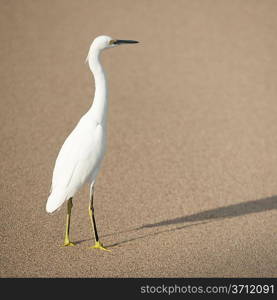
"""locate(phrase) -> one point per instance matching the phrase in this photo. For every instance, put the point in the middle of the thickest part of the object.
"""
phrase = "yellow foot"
(68, 244)
(99, 245)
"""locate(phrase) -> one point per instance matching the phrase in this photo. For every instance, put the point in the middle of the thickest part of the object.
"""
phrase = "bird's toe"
(68, 244)
(100, 246)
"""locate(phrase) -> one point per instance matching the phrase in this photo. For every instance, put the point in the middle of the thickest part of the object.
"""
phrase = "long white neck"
(99, 108)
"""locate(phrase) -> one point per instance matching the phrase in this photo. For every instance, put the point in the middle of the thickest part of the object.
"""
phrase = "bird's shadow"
(154, 233)
(230, 211)
(82, 241)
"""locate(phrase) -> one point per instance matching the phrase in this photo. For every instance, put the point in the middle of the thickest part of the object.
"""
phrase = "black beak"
(119, 42)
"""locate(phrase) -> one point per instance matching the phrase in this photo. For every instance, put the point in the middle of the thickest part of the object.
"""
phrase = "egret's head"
(104, 42)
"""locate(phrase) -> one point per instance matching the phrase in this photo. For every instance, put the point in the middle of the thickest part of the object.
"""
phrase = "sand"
(189, 182)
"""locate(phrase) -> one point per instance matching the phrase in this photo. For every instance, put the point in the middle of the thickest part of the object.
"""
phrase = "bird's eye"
(112, 42)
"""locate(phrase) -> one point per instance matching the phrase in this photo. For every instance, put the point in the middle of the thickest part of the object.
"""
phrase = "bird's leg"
(66, 239)
(98, 244)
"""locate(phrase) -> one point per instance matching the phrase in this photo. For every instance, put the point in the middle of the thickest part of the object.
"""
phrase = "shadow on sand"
(230, 211)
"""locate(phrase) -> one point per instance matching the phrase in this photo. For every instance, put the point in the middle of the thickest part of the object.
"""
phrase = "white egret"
(79, 159)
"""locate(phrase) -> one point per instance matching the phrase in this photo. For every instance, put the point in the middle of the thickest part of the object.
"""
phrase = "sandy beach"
(188, 187)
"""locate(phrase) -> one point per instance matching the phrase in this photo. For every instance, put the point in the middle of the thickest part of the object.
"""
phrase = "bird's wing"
(76, 158)
(66, 162)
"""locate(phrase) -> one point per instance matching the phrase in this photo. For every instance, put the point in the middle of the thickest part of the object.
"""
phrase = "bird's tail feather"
(55, 200)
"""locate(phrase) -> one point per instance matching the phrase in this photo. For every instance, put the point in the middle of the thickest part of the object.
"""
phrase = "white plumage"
(80, 157)
(78, 161)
